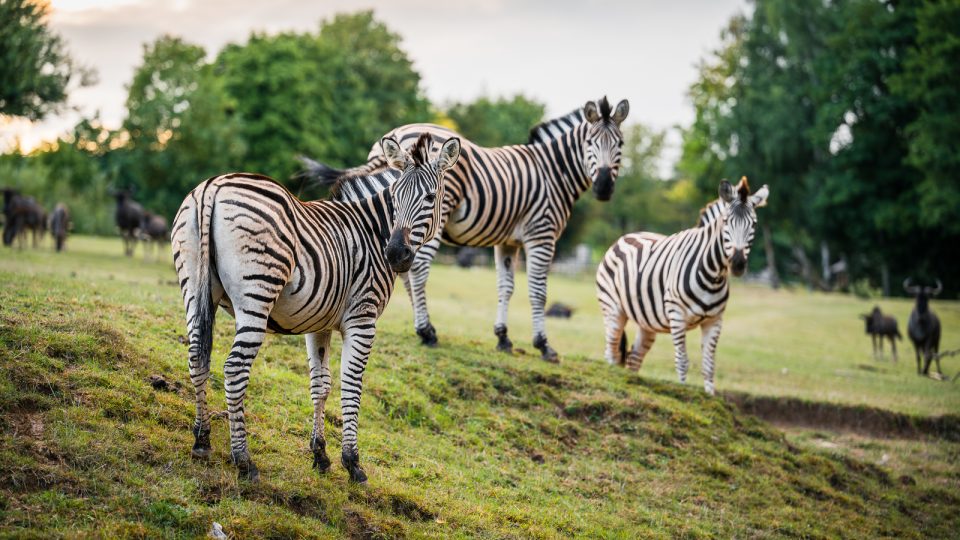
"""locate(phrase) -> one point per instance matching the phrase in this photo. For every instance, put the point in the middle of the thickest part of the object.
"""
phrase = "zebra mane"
(551, 129)
(710, 212)
(420, 151)
(605, 109)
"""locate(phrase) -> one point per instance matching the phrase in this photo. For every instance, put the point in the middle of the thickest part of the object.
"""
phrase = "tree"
(180, 125)
(331, 95)
(35, 69)
(497, 122)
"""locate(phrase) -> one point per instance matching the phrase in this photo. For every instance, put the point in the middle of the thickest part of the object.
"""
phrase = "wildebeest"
(153, 228)
(21, 214)
(881, 326)
(924, 326)
(60, 225)
(129, 216)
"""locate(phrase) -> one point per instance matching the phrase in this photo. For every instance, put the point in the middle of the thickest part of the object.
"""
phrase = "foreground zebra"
(678, 282)
(507, 197)
(278, 264)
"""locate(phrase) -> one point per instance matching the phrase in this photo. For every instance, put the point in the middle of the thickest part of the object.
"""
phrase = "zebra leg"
(539, 257)
(415, 282)
(614, 320)
(678, 330)
(504, 256)
(641, 346)
(199, 365)
(357, 342)
(893, 345)
(710, 335)
(251, 331)
(318, 353)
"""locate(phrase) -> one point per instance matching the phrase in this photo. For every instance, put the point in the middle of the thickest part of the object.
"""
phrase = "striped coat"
(671, 284)
(507, 198)
(278, 264)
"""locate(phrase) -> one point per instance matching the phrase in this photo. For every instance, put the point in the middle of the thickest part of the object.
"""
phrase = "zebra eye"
(430, 198)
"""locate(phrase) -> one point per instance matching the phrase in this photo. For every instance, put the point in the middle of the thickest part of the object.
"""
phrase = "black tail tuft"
(623, 348)
(317, 173)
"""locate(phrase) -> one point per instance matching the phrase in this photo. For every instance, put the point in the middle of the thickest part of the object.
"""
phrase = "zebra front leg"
(539, 257)
(641, 347)
(504, 257)
(318, 353)
(357, 343)
(251, 331)
(710, 335)
(678, 330)
(415, 281)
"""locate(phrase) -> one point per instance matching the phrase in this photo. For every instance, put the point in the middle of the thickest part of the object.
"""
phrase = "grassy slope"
(457, 441)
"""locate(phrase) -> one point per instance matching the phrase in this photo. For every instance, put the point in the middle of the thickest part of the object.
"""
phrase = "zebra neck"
(376, 213)
(561, 161)
(713, 264)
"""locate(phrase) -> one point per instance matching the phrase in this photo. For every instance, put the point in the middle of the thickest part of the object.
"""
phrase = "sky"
(560, 52)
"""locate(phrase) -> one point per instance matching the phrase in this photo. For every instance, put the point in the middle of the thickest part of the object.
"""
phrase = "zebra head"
(739, 221)
(417, 195)
(603, 144)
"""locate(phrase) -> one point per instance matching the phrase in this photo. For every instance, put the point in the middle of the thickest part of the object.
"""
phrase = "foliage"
(497, 122)
(35, 68)
(459, 441)
(813, 98)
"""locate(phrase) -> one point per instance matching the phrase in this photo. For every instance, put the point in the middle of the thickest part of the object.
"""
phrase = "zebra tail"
(204, 297)
(317, 173)
(623, 348)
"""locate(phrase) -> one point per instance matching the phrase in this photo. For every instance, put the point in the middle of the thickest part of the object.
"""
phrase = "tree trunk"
(885, 279)
(771, 259)
(825, 273)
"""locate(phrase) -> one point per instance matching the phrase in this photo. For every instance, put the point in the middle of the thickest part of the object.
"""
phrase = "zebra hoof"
(428, 335)
(320, 460)
(350, 459)
(546, 351)
(246, 470)
(504, 344)
(201, 444)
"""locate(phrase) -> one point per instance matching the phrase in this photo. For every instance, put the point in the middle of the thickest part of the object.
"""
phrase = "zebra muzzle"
(738, 264)
(603, 185)
(399, 252)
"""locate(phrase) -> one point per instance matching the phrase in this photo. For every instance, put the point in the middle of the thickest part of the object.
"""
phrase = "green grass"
(458, 441)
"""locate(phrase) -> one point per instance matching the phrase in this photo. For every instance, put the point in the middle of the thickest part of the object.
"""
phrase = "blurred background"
(849, 110)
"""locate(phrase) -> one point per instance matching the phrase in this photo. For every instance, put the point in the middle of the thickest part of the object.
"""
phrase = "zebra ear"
(396, 157)
(621, 112)
(726, 192)
(590, 112)
(449, 153)
(759, 198)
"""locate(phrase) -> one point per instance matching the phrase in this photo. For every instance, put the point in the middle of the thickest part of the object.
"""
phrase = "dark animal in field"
(881, 326)
(60, 225)
(22, 214)
(153, 228)
(924, 326)
(129, 216)
(561, 311)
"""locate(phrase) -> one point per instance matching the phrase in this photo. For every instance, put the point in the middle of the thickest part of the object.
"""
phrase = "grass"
(458, 441)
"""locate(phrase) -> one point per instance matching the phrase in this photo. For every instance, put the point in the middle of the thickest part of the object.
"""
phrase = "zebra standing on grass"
(678, 282)
(507, 197)
(277, 264)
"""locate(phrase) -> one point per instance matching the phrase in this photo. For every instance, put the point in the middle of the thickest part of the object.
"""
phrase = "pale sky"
(561, 52)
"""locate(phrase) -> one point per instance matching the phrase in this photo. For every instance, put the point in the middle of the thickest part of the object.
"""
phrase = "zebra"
(280, 265)
(507, 197)
(678, 282)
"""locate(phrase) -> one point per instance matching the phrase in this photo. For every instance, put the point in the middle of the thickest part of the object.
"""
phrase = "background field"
(458, 440)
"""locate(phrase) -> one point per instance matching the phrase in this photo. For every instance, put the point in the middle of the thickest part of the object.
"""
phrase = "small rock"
(884, 459)
(159, 383)
(537, 458)
(216, 531)
(784, 371)
(559, 310)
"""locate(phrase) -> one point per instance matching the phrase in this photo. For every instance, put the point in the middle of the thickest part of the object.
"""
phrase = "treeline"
(851, 112)
(254, 106)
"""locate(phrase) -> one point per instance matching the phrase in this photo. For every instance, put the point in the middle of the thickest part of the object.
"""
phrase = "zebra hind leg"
(539, 257)
(641, 347)
(318, 351)
(251, 332)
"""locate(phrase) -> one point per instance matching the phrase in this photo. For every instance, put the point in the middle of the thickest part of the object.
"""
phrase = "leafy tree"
(180, 125)
(497, 122)
(35, 68)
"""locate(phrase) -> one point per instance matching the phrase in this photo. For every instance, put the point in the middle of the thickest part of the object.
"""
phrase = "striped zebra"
(678, 282)
(507, 197)
(281, 265)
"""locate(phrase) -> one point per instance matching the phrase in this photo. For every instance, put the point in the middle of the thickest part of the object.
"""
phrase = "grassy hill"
(458, 441)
